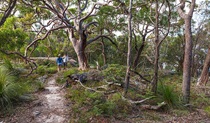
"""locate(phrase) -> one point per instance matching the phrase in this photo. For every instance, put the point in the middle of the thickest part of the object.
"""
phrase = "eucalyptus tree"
(187, 17)
(76, 17)
(201, 36)
(204, 41)
(205, 72)
(161, 29)
(127, 77)
(141, 27)
(7, 8)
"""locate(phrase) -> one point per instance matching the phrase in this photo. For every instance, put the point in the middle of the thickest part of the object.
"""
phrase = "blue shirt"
(59, 61)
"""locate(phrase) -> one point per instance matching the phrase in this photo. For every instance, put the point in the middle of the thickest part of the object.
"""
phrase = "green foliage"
(167, 94)
(13, 71)
(12, 36)
(106, 108)
(92, 104)
(45, 62)
(121, 106)
(199, 98)
(39, 85)
(70, 72)
(46, 67)
(114, 73)
(52, 70)
(207, 110)
(41, 70)
(9, 89)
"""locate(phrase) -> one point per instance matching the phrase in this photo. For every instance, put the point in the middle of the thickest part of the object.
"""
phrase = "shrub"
(41, 70)
(167, 94)
(70, 72)
(114, 73)
(51, 70)
(45, 62)
(13, 71)
(122, 106)
(207, 110)
(9, 90)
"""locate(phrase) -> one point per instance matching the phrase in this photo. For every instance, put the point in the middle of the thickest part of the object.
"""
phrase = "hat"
(59, 54)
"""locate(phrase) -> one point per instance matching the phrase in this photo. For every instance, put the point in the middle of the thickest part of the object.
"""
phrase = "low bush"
(41, 70)
(114, 73)
(167, 94)
(90, 104)
(70, 72)
(9, 89)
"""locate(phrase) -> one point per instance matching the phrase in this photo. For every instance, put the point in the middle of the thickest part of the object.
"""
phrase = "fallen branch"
(137, 102)
(153, 107)
(88, 88)
(95, 90)
(113, 83)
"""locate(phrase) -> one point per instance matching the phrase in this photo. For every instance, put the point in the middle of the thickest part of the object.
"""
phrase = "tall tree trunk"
(157, 46)
(205, 72)
(187, 61)
(79, 48)
(155, 79)
(82, 60)
(127, 76)
(188, 49)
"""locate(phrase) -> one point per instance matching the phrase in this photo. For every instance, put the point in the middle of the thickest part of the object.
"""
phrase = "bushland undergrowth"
(89, 105)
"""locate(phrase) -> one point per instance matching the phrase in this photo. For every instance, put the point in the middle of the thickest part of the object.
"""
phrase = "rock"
(36, 113)
(79, 77)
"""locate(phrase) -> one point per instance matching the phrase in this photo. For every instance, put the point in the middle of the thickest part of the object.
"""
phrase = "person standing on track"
(59, 62)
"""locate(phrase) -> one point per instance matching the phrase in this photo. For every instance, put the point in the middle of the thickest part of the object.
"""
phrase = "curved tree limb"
(89, 24)
(23, 57)
(100, 36)
(169, 24)
(8, 11)
(85, 6)
(42, 38)
(181, 8)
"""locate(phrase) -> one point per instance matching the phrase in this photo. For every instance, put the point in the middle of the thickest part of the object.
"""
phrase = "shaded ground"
(49, 107)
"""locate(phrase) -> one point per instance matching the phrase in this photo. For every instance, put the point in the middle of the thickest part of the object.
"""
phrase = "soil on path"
(49, 107)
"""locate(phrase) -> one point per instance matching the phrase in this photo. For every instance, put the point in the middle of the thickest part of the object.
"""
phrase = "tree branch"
(86, 2)
(137, 102)
(89, 24)
(100, 36)
(11, 6)
(181, 8)
(190, 13)
(169, 23)
(46, 34)
(23, 57)
(140, 76)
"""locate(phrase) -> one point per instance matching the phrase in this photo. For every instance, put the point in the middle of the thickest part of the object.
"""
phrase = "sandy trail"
(51, 107)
